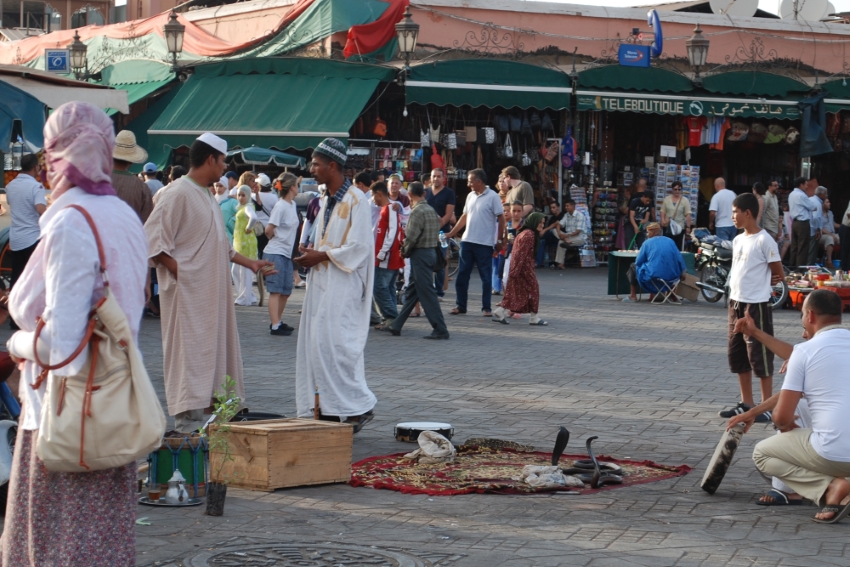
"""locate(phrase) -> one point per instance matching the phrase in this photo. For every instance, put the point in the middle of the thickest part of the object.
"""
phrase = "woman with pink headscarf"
(72, 519)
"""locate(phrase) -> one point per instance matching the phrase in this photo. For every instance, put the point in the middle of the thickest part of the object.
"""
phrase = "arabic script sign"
(704, 107)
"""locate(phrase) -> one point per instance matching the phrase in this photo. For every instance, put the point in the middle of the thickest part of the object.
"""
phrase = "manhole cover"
(253, 552)
(301, 555)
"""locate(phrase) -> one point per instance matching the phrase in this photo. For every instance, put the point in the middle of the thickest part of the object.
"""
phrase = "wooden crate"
(281, 453)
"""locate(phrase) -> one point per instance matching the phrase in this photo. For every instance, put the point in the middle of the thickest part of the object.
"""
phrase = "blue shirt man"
(658, 258)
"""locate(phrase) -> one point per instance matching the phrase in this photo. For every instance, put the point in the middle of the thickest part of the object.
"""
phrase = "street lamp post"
(173, 31)
(79, 64)
(697, 46)
(408, 33)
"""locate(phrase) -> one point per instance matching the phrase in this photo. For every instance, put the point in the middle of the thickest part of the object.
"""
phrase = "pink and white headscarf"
(78, 142)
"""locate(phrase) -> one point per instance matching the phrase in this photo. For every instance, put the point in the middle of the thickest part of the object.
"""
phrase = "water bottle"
(443, 242)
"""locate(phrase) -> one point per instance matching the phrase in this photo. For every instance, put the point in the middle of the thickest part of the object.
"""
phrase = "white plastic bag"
(433, 449)
(548, 477)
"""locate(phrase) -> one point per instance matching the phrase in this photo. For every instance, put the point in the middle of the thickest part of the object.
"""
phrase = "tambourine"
(409, 431)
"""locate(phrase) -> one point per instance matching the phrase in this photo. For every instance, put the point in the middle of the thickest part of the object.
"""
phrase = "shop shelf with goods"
(625, 178)
(648, 173)
(404, 158)
(604, 222)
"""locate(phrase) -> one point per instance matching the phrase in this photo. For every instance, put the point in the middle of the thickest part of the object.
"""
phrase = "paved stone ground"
(648, 380)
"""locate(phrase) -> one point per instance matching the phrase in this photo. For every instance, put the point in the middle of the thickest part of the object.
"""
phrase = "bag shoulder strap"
(92, 321)
(676, 210)
(100, 253)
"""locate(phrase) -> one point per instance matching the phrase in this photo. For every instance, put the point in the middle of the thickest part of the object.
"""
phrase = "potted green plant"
(225, 406)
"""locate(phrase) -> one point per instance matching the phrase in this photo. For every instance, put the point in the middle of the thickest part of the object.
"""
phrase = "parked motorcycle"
(714, 261)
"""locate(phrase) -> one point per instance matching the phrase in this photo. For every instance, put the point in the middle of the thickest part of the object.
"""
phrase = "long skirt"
(522, 292)
(68, 519)
(243, 283)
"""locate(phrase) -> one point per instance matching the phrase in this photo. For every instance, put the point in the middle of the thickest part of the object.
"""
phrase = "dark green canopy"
(278, 103)
(754, 83)
(488, 82)
(640, 79)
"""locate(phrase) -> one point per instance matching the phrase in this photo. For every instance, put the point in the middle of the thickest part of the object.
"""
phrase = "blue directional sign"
(57, 60)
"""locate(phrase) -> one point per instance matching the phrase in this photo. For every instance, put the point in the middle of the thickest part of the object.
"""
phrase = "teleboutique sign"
(688, 107)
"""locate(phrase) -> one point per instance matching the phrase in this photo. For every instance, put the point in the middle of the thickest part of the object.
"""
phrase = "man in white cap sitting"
(189, 247)
(329, 367)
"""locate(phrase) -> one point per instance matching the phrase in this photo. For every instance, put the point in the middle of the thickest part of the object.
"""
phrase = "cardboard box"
(281, 453)
(687, 288)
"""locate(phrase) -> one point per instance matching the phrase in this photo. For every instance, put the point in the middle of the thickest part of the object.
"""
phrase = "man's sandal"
(838, 510)
(358, 421)
(457, 311)
(778, 498)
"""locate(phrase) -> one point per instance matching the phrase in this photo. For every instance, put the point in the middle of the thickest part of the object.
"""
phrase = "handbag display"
(526, 126)
(450, 140)
(434, 133)
(425, 137)
(489, 135)
(546, 124)
(436, 160)
(508, 152)
(379, 128)
(107, 415)
(516, 122)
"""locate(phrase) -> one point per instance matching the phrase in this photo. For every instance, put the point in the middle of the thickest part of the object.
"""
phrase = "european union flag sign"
(57, 60)
(631, 55)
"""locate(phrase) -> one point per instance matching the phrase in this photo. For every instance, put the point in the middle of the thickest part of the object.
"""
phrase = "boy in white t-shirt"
(756, 267)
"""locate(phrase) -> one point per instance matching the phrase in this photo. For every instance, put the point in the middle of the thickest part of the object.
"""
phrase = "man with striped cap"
(330, 375)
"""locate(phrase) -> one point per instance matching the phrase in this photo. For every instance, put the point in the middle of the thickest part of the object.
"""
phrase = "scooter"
(714, 261)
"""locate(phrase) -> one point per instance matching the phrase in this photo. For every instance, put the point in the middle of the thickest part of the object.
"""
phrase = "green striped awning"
(488, 82)
(282, 103)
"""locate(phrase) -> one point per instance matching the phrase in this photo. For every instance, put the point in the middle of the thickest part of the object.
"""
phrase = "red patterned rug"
(481, 470)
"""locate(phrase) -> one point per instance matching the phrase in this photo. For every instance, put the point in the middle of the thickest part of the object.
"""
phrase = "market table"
(618, 265)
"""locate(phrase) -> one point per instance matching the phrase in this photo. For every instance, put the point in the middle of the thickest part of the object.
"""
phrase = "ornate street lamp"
(78, 57)
(174, 31)
(697, 46)
(408, 33)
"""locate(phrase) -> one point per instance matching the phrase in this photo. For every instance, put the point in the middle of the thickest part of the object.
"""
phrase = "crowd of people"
(805, 228)
(206, 233)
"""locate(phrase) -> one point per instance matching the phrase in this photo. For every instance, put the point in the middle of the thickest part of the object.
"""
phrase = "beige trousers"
(791, 457)
(579, 240)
